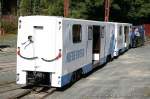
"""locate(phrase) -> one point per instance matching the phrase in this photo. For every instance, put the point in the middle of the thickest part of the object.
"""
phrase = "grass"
(8, 39)
(9, 24)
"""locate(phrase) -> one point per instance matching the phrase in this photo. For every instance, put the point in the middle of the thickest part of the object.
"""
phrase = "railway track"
(8, 86)
(34, 92)
(8, 69)
(22, 92)
(6, 83)
(45, 93)
(6, 66)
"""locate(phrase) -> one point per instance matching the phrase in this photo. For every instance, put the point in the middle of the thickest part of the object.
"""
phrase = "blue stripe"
(65, 79)
(102, 60)
(112, 44)
(122, 50)
(87, 68)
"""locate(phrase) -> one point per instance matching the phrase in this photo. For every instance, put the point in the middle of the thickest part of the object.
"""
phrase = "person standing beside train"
(137, 37)
(142, 32)
(133, 38)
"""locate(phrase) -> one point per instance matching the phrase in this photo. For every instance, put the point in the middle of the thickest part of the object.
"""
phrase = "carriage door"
(126, 33)
(96, 43)
(89, 44)
(103, 44)
(39, 43)
(44, 47)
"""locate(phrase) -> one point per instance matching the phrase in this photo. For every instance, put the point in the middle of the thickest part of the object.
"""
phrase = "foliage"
(44, 5)
(25, 7)
(0, 8)
(8, 26)
(134, 11)
(55, 8)
(36, 7)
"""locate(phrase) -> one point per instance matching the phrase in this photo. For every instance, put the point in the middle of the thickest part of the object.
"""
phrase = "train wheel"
(76, 75)
(108, 58)
(79, 74)
(73, 78)
(111, 58)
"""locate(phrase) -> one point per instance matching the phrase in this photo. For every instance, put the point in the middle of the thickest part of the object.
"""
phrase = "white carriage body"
(122, 37)
(47, 41)
(45, 44)
(110, 40)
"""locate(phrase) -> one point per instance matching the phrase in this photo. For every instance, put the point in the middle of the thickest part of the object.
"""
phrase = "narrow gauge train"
(54, 51)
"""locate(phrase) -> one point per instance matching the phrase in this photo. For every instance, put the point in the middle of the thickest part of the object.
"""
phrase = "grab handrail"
(28, 58)
(56, 58)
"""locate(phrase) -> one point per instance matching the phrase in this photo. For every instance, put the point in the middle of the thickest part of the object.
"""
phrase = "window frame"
(78, 37)
(102, 31)
(120, 30)
(90, 33)
(126, 32)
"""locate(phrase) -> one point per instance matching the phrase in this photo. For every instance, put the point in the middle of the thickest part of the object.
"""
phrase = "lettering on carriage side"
(74, 55)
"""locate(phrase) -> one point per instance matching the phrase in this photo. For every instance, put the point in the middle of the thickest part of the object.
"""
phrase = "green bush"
(9, 26)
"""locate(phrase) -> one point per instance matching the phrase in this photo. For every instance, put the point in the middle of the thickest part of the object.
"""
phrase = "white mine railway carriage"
(54, 51)
(122, 37)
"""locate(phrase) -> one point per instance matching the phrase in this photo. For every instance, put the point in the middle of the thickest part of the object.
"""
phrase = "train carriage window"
(90, 32)
(120, 30)
(77, 33)
(126, 31)
(102, 31)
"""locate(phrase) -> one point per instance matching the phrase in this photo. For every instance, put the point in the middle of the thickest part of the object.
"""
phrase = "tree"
(36, 7)
(140, 11)
(95, 9)
(133, 11)
(25, 7)
(1, 2)
(55, 8)
(87, 9)
(0, 14)
(44, 5)
(78, 9)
